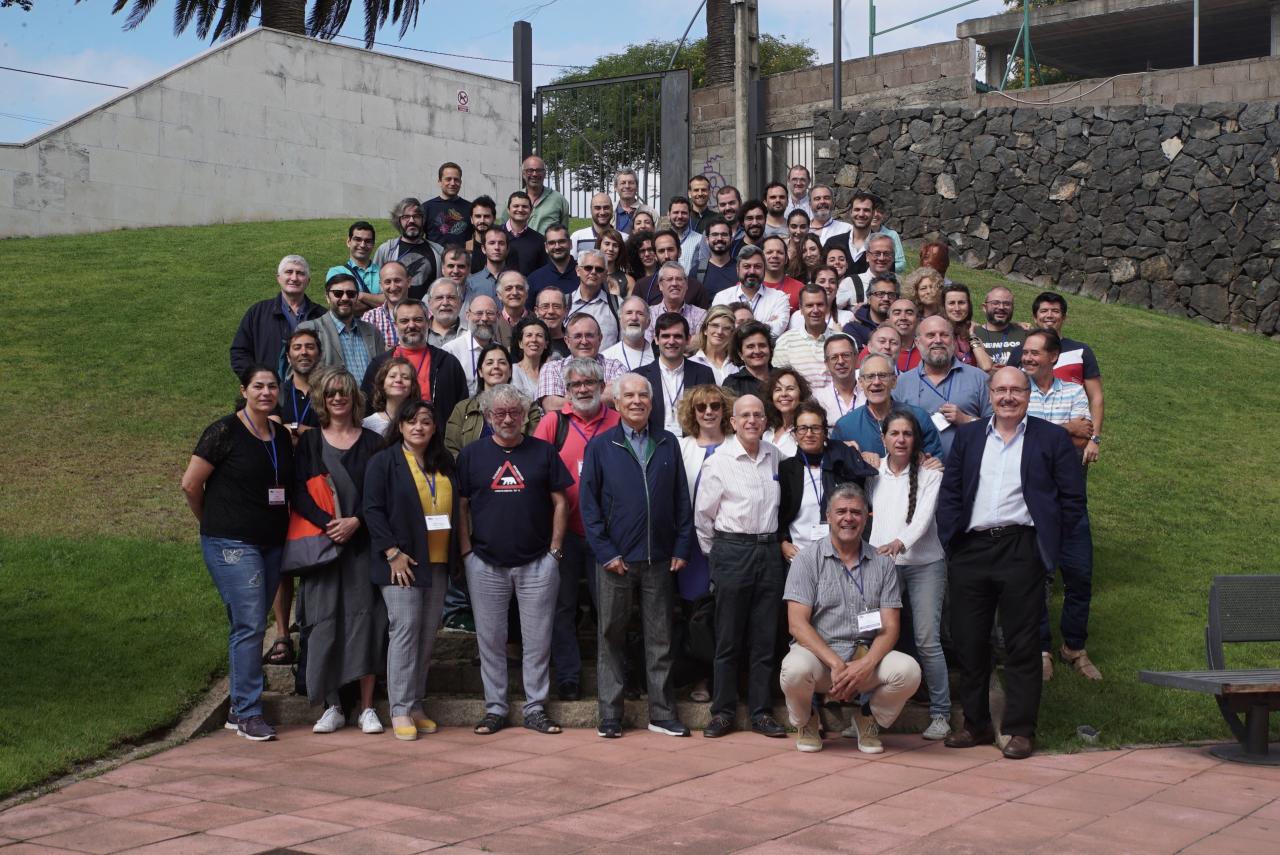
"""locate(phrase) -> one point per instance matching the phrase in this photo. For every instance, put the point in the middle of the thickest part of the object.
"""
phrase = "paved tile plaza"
(523, 792)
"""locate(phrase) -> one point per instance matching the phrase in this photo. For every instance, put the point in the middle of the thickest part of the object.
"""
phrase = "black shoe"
(668, 727)
(610, 728)
(569, 690)
(767, 725)
(720, 725)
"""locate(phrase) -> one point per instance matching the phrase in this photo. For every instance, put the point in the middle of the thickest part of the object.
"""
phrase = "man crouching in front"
(843, 607)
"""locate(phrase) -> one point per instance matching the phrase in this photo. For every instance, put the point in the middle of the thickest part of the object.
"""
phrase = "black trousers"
(987, 573)
(747, 580)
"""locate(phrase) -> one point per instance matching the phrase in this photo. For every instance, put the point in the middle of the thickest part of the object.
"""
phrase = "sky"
(87, 41)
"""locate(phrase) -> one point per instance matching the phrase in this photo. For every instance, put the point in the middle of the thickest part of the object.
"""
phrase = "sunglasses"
(343, 295)
(711, 406)
(592, 268)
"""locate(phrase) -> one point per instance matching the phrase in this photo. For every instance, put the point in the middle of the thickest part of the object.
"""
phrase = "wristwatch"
(1096, 439)
(394, 554)
(557, 554)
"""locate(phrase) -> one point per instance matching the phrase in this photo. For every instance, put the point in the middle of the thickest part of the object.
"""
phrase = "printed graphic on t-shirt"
(450, 222)
(507, 479)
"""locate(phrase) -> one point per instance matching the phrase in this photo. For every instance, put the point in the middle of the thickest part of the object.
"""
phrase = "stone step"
(449, 677)
(460, 711)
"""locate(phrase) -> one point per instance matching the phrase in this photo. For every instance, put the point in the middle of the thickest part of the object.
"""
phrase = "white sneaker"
(331, 720)
(369, 721)
(938, 728)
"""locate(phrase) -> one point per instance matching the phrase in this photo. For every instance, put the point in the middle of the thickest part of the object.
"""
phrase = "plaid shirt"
(380, 318)
(1062, 403)
(355, 356)
(551, 380)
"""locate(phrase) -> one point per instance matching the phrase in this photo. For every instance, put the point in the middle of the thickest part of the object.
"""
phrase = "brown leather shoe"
(1019, 748)
(966, 738)
(1079, 660)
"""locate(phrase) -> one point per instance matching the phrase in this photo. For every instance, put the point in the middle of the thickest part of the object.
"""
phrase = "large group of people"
(808, 476)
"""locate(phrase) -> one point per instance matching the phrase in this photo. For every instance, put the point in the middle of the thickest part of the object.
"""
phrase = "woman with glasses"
(339, 609)
(467, 424)
(714, 342)
(784, 391)
(704, 415)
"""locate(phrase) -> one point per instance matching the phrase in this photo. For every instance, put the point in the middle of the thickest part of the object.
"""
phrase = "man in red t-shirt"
(775, 264)
(569, 429)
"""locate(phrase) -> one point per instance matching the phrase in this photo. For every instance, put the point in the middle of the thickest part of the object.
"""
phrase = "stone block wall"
(1171, 208)
(264, 126)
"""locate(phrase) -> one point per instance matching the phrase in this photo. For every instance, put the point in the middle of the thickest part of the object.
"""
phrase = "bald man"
(999, 335)
(601, 220)
(736, 517)
(951, 392)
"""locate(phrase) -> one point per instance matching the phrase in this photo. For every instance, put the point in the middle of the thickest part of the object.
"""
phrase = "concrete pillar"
(997, 65)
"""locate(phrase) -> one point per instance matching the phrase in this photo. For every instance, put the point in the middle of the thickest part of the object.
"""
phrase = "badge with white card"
(869, 621)
(820, 531)
(275, 495)
(940, 421)
(437, 522)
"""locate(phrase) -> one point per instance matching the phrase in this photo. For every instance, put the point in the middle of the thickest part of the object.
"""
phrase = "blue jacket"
(1052, 484)
(262, 333)
(639, 516)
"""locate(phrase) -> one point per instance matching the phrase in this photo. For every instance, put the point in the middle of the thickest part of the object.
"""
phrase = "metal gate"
(588, 130)
(778, 151)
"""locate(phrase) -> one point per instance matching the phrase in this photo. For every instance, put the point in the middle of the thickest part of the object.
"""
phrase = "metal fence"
(781, 150)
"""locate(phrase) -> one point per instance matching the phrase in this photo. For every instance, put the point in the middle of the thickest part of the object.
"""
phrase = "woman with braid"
(904, 495)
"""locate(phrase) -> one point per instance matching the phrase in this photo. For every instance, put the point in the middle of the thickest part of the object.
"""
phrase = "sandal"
(490, 724)
(1079, 660)
(281, 653)
(539, 720)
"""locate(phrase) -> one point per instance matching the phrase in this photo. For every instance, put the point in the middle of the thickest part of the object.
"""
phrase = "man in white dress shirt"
(633, 349)
(768, 305)
(482, 317)
(592, 298)
(823, 223)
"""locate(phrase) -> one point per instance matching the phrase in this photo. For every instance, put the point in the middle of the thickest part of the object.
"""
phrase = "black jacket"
(695, 374)
(448, 382)
(742, 382)
(263, 332)
(394, 517)
(840, 465)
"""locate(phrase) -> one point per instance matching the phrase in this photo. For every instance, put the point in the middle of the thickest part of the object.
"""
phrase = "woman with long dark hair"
(411, 510)
(805, 257)
(905, 495)
(642, 261)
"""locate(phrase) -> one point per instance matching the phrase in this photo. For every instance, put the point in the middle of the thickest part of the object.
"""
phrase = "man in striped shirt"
(802, 349)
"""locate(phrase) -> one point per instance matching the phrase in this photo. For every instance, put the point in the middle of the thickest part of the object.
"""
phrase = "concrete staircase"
(456, 698)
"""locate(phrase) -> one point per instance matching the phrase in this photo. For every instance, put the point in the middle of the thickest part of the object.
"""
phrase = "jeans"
(656, 587)
(578, 562)
(246, 577)
(1076, 564)
(926, 584)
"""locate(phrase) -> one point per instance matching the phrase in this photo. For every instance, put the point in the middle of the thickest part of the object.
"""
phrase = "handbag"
(307, 548)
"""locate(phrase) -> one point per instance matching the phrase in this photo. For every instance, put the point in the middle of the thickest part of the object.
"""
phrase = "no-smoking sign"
(464, 101)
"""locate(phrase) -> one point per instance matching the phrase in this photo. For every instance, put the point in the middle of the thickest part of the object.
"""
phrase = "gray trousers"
(536, 586)
(413, 615)
(657, 598)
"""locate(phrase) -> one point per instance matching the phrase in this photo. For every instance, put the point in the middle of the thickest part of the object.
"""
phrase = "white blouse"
(889, 496)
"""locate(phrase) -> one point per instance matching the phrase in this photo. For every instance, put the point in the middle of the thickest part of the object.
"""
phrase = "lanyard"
(835, 392)
(752, 303)
(857, 580)
(581, 432)
(627, 359)
(270, 444)
(945, 395)
(430, 478)
(299, 418)
(672, 399)
(816, 482)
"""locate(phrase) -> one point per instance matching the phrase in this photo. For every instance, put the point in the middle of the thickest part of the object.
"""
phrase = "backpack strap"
(562, 430)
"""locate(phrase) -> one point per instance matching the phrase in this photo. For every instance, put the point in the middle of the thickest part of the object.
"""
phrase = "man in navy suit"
(1011, 488)
(672, 375)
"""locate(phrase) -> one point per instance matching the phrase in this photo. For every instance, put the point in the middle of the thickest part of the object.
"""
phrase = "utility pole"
(746, 61)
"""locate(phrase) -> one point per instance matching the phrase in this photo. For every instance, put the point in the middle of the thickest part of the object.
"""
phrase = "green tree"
(1041, 75)
(593, 131)
(221, 19)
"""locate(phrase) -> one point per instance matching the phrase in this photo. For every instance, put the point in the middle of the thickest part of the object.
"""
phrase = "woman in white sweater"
(904, 496)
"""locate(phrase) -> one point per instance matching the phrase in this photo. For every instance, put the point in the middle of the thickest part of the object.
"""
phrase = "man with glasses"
(736, 517)
(879, 262)
(360, 243)
(420, 257)
(482, 320)
(673, 288)
(546, 206)
(1012, 489)
(560, 271)
(551, 306)
(999, 335)
(583, 334)
(840, 396)
(592, 298)
(798, 179)
(444, 299)
(953, 393)
(862, 424)
(345, 340)
(882, 290)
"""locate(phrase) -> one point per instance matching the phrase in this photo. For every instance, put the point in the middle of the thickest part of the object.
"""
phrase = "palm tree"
(719, 42)
(221, 19)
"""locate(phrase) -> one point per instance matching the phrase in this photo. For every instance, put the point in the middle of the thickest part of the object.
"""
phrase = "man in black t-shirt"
(512, 518)
(448, 215)
(420, 257)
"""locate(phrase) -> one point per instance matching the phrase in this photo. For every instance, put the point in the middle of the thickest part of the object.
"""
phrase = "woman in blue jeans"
(904, 495)
(237, 484)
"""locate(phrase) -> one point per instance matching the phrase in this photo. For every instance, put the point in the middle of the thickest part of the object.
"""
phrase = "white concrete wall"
(266, 126)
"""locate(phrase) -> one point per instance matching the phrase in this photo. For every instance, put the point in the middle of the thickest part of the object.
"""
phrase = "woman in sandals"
(411, 508)
(338, 607)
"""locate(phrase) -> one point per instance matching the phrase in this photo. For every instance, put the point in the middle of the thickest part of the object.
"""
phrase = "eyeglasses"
(343, 295)
(709, 406)
(800, 429)
(882, 295)
(335, 393)
(880, 376)
(504, 415)
(535, 172)
(880, 253)
(1010, 390)
(592, 268)
(582, 384)
(362, 240)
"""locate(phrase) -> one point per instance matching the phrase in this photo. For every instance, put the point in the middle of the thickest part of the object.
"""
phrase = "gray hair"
(582, 256)
(403, 205)
(826, 187)
(625, 171)
(748, 251)
(587, 369)
(293, 259)
(673, 265)
(395, 313)
(624, 378)
(561, 297)
(848, 490)
(637, 298)
(507, 273)
(431, 292)
(878, 236)
(503, 393)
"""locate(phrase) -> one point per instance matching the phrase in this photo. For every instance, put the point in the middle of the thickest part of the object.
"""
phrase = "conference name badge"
(275, 495)
(437, 522)
(940, 421)
(869, 621)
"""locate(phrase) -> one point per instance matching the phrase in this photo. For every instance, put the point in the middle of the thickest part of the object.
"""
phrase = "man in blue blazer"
(1012, 487)
(671, 375)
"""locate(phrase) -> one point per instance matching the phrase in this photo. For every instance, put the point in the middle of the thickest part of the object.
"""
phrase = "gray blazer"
(331, 348)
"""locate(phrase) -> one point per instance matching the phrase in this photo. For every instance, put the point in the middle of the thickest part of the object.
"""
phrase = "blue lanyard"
(627, 359)
(816, 482)
(299, 418)
(835, 391)
(271, 446)
(430, 479)
(672, 399)
(581, 432)
(857, 580)
(944, 395)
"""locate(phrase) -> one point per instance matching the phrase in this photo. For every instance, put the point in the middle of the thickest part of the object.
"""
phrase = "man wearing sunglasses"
(593, 299)
(345, 340)
(882, 290)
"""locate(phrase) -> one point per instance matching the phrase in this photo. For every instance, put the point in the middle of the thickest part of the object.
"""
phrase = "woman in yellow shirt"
(411, 509)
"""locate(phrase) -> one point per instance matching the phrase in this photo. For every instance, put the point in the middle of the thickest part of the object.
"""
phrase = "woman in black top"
(752, 348)
(238, 484)
(339, 609)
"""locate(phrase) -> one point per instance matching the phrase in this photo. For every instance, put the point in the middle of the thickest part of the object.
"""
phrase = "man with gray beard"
(482, 317)
(444, 298)
(950, 391)
(634, 349)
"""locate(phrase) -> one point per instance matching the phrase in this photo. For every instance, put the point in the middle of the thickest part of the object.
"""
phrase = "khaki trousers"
(896, 680)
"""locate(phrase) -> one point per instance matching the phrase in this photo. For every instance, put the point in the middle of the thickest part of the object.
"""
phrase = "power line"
(26, 118)
(60, 77)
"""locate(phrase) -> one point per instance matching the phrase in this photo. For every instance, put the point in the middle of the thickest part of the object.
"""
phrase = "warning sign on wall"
(464, 101)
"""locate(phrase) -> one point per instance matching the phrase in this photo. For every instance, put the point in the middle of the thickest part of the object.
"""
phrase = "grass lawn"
(111, 625)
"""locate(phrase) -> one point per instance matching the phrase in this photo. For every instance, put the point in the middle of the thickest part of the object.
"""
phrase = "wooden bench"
(1241, 609)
